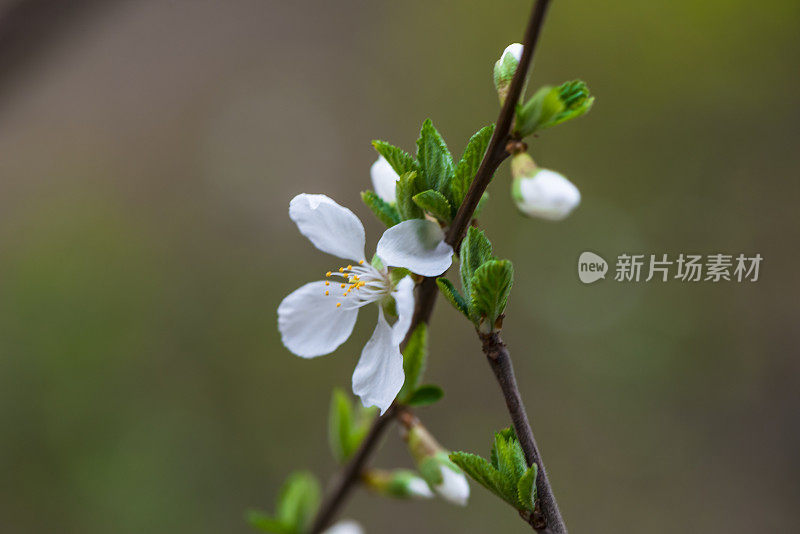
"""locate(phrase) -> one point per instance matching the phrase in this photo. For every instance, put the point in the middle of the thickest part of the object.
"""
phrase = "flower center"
(362, 283)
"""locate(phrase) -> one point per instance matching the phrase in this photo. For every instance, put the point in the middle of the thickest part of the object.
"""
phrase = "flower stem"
(496, 153)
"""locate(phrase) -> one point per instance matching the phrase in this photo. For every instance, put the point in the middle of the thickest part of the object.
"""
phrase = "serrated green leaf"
(507, 434)
(526, 489)
(298, 501)
(434, 203)
(266, 523)
(400, 160)
(475, 251)
(453, 296)
(406, 189)
(414, 360)
(433, 158)
(538, 110)
(468, 165)
(510, 465)
(340, 426)
(490, 286)
(550, 106)
(425, 395)
(479, 470)
(385, 212)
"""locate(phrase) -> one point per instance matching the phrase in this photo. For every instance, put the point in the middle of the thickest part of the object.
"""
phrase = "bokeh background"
(148, 153)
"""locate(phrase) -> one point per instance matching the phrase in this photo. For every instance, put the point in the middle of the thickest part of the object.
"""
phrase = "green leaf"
(340, 426)
(298, 501)
(550, 106)
(526, 489)
(266, 523)
(400, 160)
(577, 101)
(475, 251)
(434, 203)
(384, 211)
(397, 274)
(491, 285)
(507, 434)
(425, 395)
(468, 166)
(414, 359)
(479, 470)
(453, 296)
(511, 466)
(538, 110)
(406, 189)
(434, 159)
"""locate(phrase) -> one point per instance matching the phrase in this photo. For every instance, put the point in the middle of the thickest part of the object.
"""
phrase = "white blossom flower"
(348, 526)
(384, 180)
(417, 487)
(454, 486)
(546, 194)
(319, 316)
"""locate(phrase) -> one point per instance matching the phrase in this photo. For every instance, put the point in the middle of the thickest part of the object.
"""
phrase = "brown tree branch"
(496, 153)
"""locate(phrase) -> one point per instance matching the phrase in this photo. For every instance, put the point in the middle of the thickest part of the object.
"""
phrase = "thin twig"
(496, 153)
(547, 517)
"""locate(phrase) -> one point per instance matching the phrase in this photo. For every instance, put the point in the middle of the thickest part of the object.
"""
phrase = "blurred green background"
(149, 152)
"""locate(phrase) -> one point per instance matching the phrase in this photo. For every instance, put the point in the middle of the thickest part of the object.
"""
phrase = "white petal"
(311, 324)
(454, 487)
(419, 488)
(404, 298)
(329, 226)
(547, 195)
(515, 49)
(348, 526)
(379, 375)
(384, 180)
(417, 245)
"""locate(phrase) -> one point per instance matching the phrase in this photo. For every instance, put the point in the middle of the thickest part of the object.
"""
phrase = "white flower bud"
(541, 192)
(454, 487)
(384, 180)
(348, 526)
(505, 67)
(400, 483)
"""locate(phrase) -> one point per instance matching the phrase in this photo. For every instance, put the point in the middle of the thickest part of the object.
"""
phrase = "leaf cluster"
(550, 106)
(506, 474)
(485, 280)
(348, 424)
(297, 503)
(431, 182)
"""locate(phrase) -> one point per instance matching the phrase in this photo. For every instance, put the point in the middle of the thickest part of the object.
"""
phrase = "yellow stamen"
(328, 274)
(327, 283)
(341, 269)
(327, 292)
(338, 304)
(349, 267)
(361, 262)
(344, 285)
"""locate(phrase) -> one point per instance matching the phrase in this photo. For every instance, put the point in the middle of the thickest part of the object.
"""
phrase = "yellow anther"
(361, 262)
(341, 269)
(338, 304)
(328, 274)
(327, 292)
(327, 283)
(349, 267)
(344, 285)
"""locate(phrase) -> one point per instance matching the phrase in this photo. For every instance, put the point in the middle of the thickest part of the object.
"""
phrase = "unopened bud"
(504, 69)
(435, 466)
(541, 192)
(400, 483)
